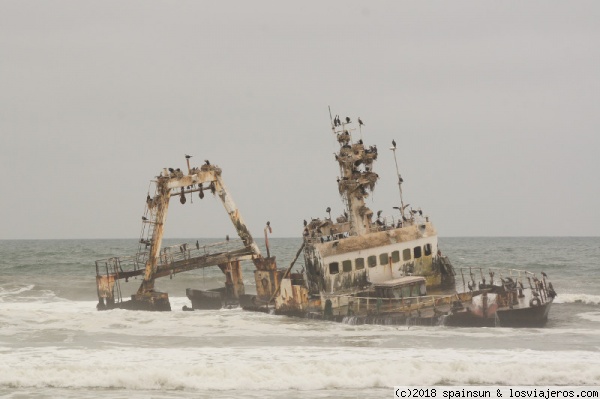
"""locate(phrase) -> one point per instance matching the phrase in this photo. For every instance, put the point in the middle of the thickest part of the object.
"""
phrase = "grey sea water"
(53, 342)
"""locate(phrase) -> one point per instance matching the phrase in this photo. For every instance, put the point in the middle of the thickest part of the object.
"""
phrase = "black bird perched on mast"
(394, 143)
(360, 123)
(347, 119)
(187, 156)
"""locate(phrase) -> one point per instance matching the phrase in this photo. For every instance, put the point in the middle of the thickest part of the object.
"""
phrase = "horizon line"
(261, 238)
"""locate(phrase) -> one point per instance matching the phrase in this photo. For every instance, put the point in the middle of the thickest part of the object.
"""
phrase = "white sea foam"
(20, 318)
(282, 368)
(70, 345)
(15, 291)
(578, 298)
(591, 316)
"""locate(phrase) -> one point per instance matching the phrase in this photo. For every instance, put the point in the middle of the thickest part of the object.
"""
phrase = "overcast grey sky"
(494, 105)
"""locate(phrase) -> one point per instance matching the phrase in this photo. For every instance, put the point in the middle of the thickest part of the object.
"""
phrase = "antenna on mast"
(331, 118)
(400, 180)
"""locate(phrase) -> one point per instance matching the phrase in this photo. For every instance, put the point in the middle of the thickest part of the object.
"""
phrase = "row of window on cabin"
(407, 254)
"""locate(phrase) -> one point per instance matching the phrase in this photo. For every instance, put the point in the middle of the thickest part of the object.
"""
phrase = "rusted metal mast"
(159, 263)
(161, 201)
(165, 185)
(355, 184)
(393, 148)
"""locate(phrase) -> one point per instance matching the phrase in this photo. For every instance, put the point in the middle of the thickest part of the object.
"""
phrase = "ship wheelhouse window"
(417, 252)
(359, 263)
(427, 249)
(334, 268)
(372, 261)
(383, 259)
(347, 266)
(406, 254)
(405, 292)
(396, 256)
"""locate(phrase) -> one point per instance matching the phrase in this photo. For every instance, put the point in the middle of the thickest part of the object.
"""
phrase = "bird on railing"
(551, 292)
(470, 286)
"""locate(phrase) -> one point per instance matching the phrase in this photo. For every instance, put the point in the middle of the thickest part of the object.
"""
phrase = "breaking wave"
(591, 316)
(15, 291)
(586, 299)
(284, 368)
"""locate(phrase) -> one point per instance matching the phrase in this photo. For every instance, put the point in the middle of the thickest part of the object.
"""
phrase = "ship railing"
(117, 265)
(512, 279)
(168, 256)
(390, 222)
(385, 223)
(366, 304)
(479, 274)
(186, 251)
(323, 238)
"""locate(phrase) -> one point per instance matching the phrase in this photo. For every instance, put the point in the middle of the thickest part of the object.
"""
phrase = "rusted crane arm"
(235, 216)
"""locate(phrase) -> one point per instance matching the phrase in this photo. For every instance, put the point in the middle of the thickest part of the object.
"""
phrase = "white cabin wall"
(379, 273)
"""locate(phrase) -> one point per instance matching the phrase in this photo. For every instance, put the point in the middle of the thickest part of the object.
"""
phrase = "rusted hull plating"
(493, 305)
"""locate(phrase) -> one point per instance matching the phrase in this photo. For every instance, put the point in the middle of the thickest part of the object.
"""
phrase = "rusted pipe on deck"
(268, 227)
(287, 272)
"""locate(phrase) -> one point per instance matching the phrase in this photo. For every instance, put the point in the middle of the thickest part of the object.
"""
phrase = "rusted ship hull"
(535, 316)
(404, 301)
(150, 301)
(530, 317)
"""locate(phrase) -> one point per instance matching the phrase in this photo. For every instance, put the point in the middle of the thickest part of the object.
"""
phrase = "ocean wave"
(586, 299)
(284, 368)
(27, 294)
(15, 291)
(590, 316)
(82, 317)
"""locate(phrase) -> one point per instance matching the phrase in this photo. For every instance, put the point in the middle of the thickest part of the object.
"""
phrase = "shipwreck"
(361, 267)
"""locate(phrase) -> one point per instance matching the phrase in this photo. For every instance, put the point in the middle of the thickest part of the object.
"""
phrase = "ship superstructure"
(359, 248)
